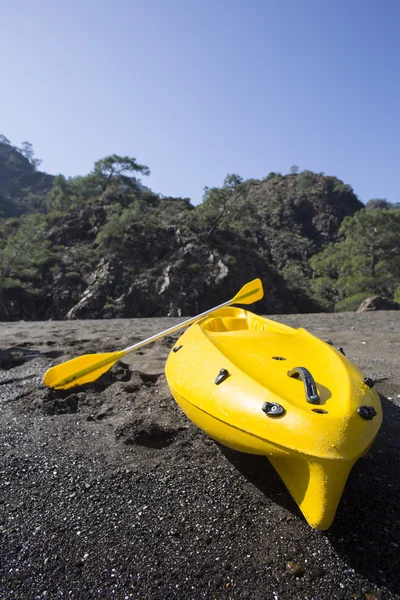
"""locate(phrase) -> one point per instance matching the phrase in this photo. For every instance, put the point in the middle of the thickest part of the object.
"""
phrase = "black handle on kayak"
(312, 395)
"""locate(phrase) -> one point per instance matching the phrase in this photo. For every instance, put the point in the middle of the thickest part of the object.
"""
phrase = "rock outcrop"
(173, 273)
(378, 303)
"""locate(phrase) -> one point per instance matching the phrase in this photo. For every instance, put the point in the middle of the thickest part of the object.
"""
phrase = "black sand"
(109, 491)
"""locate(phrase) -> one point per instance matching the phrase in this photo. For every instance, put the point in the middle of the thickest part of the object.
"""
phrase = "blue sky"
(198, 89)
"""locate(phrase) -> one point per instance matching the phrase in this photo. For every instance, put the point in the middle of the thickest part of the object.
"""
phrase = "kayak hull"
(312, 448)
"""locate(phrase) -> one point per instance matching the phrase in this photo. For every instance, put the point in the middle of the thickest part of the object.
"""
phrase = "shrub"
(73, 277)
(196, 268)
(351, 303)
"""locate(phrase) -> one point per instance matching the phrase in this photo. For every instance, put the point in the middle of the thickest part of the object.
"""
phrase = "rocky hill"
(22, 187)
(105, 246)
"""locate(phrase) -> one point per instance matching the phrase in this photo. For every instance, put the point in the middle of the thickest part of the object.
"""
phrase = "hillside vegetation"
(104, 245)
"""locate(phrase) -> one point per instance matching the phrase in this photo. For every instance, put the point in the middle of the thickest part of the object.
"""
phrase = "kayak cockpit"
(235, 319)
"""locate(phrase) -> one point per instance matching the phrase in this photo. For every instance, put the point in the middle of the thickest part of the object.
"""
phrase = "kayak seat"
(220, 325)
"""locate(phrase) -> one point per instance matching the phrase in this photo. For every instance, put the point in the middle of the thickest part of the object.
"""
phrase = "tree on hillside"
(120, 221)
(117, 171)
(22, 187)
(233, 181)
(305, 180)
(25, 249)
(378, 203)
(112, 173)
(366, 261)
(59, 197)
(27, 151)
(221, 206)
(273, 175)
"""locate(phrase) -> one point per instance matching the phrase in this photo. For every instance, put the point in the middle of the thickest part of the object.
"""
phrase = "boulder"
(378, 303)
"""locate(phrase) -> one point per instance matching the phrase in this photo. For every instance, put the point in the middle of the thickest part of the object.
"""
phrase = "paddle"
(89, 367)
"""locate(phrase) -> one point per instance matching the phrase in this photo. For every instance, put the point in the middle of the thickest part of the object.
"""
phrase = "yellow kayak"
(261, 387)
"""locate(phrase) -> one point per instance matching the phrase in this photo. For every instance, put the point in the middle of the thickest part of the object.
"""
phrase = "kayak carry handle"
(310, 387)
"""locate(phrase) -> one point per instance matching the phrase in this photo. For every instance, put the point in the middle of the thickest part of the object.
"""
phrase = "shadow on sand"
(366, 530)
(19, 355)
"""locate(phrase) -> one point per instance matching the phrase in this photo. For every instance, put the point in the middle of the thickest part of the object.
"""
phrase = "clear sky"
(196, 89)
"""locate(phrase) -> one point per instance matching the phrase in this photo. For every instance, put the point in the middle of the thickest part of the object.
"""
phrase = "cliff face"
(290, 217)
(174, 273)
(180, 269)
(161, 271)
(309, 205)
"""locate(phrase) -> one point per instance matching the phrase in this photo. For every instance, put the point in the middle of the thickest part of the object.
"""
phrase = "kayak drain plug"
(222, 375)
(369, 382)
(366, 412)
(273, 409)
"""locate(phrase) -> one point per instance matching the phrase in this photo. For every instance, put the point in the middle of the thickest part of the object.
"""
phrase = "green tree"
(59, 197)
(232, 181)
(366, 261)
(305, 180)
(27, 151)
(118, 171)
(273, 175)
(377, 203)
(113, 173)
(221, 207)
(120, 220)
(24, 250)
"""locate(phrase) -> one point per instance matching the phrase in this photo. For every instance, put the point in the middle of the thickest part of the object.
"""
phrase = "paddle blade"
(80, 370)
(251, 292)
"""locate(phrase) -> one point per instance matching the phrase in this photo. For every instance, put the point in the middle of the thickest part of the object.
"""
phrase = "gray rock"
(378, 303)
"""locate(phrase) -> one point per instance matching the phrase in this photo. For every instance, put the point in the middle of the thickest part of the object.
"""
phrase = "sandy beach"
(109, 491)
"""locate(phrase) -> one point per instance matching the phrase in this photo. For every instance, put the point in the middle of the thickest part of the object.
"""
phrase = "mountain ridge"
(105, 246)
